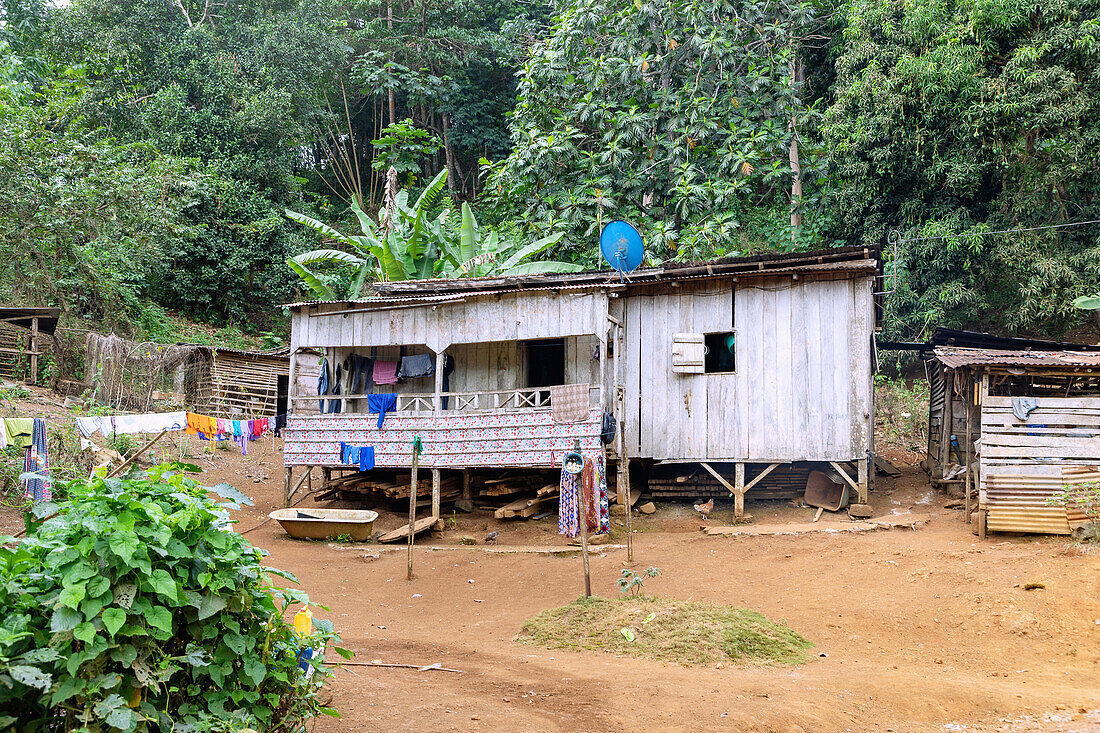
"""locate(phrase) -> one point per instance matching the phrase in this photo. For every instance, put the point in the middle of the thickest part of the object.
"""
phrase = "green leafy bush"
(135, 607)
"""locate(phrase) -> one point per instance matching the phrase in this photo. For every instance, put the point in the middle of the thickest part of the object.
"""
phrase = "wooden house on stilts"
(737, 366)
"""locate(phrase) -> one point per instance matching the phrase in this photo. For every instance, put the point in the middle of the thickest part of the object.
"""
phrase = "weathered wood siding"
(477, 319)
(802, 387)
(245, 386)
(1024, 462)
(451, 440)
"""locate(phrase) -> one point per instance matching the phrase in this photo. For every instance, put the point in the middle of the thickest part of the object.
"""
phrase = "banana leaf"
(532, 249)
(327, 255)
(1087, 302)
(322, 291)
(543, 267)
(318, 226)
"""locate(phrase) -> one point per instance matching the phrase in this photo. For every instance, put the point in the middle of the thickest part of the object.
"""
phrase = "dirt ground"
(914, 630)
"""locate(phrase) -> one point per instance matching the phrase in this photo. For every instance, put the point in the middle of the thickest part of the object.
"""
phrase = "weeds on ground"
(901, 413)
(631, 583)
(1086, 498)
(665, 629)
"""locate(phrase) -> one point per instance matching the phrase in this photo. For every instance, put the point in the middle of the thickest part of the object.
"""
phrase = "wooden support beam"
(466, 503)
(291, 492)
(737, 488)
(762, 474)
(851, 482)
(132, 458)
(34, 351)
(435, 493)
(863, 471)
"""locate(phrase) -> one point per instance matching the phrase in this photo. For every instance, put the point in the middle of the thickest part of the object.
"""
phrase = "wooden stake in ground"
(576, 468)
(412, 501)
(132, 458)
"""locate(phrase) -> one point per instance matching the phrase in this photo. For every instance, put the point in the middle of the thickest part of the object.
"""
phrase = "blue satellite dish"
(621, 245)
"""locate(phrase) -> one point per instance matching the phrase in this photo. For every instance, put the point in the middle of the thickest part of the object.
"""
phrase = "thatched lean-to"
(135, 375)
(143, 376)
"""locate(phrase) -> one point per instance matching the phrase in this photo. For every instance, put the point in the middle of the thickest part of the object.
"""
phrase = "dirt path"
(922, 630)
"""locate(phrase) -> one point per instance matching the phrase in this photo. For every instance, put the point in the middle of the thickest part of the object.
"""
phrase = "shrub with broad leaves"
(134, 606)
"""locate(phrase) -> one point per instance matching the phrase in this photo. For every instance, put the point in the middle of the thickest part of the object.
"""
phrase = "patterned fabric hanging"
(597, 510)
(36, 461)
(568, 505)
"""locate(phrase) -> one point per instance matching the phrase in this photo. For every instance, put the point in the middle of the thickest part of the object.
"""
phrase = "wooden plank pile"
(684, 482)
(390, 485)
(545, 499)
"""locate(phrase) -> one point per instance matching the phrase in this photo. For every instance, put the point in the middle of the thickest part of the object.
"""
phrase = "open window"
(721, 352)
(704, 353)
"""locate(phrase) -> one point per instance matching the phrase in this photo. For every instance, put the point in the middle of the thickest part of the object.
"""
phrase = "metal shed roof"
(47, 317)
(954, 358)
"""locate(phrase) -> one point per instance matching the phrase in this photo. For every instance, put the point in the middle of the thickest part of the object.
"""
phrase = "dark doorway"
(545, 362)
(282, 394)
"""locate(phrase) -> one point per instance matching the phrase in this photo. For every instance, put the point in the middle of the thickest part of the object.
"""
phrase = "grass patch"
(685, 632)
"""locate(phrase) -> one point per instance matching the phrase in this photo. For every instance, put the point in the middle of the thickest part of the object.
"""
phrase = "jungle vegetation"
(150, 149)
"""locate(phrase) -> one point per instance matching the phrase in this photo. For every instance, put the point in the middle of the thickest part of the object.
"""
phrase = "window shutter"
(687, 353)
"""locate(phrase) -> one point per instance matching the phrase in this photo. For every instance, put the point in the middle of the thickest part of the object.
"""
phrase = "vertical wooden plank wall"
(802, 389)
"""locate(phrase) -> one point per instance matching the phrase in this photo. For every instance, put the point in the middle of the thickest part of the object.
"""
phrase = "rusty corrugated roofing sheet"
(955, 358)
(838, 259)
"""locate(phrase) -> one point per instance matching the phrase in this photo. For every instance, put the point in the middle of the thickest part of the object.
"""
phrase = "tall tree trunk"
(451, 167)
(389, 24)
(798, 75)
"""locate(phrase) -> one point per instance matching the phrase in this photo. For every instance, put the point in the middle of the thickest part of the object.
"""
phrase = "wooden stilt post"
(739, 491)
(582, 509)
(286, 486)
(413, 488)
(435, 493)
(466, 502)
(966, 442)
(863, 478)
(948, 419)
(412, 501)
(622, 480)
(34, 351)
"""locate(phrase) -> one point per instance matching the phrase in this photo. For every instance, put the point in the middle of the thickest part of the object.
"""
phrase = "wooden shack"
(1015, 425)
(736, 366)
(26, 335)
(247, 384)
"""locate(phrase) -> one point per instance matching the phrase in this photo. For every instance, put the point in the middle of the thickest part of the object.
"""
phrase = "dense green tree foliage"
(953, 118)
(237, 86)
(150, 147)
(674, 114)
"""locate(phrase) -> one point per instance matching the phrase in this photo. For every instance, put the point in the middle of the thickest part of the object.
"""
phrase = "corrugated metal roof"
(839, 259)
(976, 340)
(276, 353)
(954, 358)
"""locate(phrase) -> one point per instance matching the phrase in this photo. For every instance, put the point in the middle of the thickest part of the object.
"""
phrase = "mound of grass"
(686, 632)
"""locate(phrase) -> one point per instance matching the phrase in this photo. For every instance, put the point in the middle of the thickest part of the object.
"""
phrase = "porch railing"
(527, 398)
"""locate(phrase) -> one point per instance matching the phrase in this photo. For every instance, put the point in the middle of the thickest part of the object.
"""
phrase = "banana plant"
(407, 251)
(485, 255)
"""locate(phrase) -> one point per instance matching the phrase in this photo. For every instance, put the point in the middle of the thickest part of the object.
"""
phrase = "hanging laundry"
(280, 424)
(414, 367)
(39, 488)
(599, 501)
(448, 367)
(130, 424)
(568, 505)
(322, 384)
(366, 458)
(19, 431)
(359, 369)
(385, 372)
(381, 403)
